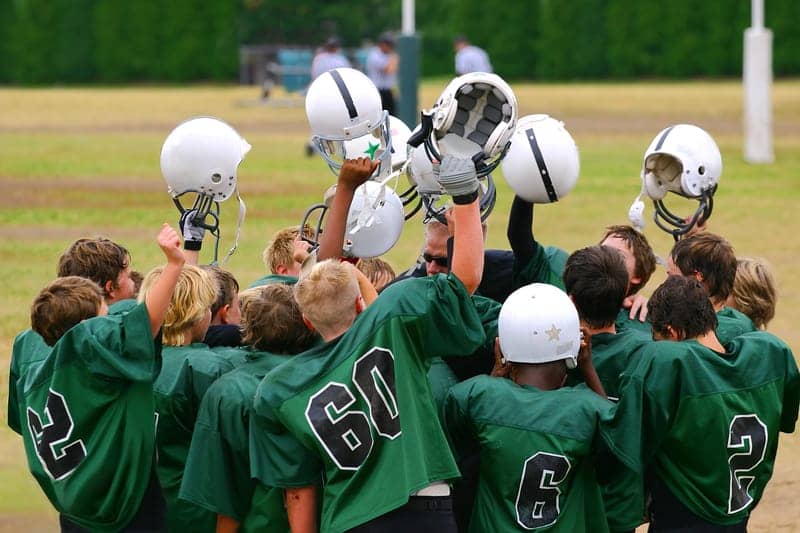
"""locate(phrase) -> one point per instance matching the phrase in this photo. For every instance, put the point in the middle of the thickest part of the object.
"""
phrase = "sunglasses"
(441, 261)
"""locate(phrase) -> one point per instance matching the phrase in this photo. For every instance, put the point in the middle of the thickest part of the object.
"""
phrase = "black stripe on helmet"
(663, 138)
(348, 99)
(537, 154)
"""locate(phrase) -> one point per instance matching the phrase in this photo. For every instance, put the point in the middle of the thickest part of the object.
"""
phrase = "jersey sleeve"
(450, 324)
(217, 473)
(457, 423)
(791, 394)
(117, 346)
(537, 270)
(278, 458)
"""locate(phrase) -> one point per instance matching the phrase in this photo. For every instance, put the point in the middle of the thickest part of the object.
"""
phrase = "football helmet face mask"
(542, 164)
(538, 323)
(474, 117)
(344, 105)
(685, 160)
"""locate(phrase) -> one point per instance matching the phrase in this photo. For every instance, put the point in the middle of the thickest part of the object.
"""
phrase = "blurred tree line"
(79, 41)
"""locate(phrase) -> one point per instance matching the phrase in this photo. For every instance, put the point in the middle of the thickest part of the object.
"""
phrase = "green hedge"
(80, 41)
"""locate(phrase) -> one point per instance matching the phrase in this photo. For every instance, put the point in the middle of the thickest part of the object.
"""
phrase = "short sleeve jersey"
(611, 355)
(87, 414)
(376, 63)
(707, 423)
(186, 375)
(546, 266)
(360, 407)
(732, 323)
(29, 348)
(536, 447)
(625, 322)
(217, 474)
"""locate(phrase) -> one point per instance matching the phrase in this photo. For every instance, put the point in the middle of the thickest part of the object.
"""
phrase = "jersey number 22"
(56, 432)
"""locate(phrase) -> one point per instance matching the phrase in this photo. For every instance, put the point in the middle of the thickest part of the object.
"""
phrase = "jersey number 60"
(346, 434)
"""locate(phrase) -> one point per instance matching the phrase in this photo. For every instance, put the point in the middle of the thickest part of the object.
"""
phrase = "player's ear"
(222, 313)
(308, 323)
(108, 288)
(282, 270)
(360, 304)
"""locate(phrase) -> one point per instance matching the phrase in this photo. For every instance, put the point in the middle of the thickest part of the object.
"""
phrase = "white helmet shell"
(542, 165)
(683, 159)
(420, 171)
(343, 104)
(476, 112)
(374, 222)
(373, 147)
(538, 323)
(202, 155)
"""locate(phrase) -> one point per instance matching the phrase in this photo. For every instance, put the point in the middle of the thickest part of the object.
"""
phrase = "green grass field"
(85, 162)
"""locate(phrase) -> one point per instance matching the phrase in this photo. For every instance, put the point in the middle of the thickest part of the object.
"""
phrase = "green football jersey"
(29, 348)
(273, 278)
(611, 355)
(236, 355)
(625, 322)
(537, 468)
(732, 323)
(88, 419)
(186, 374)
(546, 266)
(360, 407)
(706, 424)
(217, 474)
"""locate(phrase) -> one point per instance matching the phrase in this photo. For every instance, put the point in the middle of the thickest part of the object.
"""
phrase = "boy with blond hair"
(226, 313)
(754, 292)
(281, 256)
(386, 441)
(88, 405)
(188, 370)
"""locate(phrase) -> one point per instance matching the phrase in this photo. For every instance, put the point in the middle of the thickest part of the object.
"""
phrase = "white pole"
(408, 25)
(757, 78)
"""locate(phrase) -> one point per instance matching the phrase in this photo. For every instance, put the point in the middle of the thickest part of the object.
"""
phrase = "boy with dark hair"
(700, 421)
(217, 475)
(88, 406)
(225, 311)
(389, 446)
(710, 259)
(597, 281)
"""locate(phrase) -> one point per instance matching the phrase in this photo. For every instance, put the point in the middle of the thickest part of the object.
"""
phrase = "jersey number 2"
(57, 464)
(538, 495)
(346, 434)
(747, 444)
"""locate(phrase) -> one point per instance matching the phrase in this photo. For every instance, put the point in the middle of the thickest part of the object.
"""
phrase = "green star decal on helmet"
(371, 149)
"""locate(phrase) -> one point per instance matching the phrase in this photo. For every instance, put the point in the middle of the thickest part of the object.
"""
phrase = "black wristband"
(192, 245)
(465, 199)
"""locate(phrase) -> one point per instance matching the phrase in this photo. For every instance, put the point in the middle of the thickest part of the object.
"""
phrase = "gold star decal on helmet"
(553, 333)
(371, 149)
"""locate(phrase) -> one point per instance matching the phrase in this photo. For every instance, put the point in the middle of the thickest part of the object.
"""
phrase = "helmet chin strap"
(636, 210)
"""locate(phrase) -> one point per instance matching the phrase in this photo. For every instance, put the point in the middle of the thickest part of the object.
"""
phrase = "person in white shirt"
(329, 57)
(470, 58)
(382, 63)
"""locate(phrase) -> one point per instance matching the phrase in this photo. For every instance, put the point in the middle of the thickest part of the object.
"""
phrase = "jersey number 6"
(538, 495)
(57, 431)
(346, 434)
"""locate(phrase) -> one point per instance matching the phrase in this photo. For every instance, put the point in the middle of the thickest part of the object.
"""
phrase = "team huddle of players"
(485, 390)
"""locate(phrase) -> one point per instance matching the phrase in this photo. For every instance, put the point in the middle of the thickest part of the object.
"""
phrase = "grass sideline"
(84, 161)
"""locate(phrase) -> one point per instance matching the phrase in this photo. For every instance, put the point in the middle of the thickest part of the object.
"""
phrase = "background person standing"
(382, 63)
(470, 58)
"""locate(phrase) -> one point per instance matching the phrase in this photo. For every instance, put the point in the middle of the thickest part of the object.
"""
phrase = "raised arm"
(520, 230)
(353, 173)
(158, 298)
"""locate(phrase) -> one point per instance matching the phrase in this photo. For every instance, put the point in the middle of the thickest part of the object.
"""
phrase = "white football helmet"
(474, 117)
(342, 105)
(542, 164)
(538, 323)
(685, 160)
(374, 222)
(202, 155)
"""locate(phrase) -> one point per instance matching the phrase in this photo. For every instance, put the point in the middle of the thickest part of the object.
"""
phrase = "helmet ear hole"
(701, 170)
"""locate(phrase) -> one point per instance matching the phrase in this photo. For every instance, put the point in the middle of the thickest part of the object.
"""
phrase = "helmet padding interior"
(481, 108)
